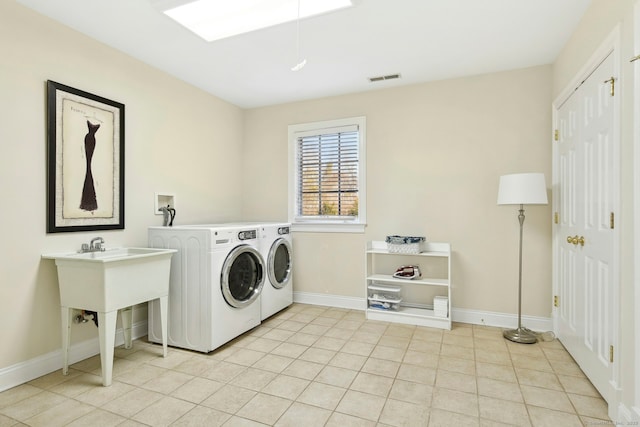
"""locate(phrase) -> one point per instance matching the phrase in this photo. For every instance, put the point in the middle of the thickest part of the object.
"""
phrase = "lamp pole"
(520, 335)
(521, 189)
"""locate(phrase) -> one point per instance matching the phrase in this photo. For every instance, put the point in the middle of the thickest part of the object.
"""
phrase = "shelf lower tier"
(410, 316)
(387, 278)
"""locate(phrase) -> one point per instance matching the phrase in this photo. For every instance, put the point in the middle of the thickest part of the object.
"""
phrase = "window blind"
(328, 173)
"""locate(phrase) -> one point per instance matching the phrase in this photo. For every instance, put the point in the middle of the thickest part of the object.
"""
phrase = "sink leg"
(107, 334)
(66, 314)
(126, 314)
(164, 304)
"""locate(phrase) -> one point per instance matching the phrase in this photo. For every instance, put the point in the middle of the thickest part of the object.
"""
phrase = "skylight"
(219, 19)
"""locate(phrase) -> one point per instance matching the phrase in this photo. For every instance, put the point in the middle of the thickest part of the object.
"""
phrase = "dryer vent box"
(163, 200)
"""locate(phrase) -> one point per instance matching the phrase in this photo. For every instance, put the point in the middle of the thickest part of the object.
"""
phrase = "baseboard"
(475, 317)
(627, 416)
(23, 372)
(501, 320)
(630, 417)
(337, 301)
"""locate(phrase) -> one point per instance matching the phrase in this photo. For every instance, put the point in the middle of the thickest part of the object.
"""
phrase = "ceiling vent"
(381, 78)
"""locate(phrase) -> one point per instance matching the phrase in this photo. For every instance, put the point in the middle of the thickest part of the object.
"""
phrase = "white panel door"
(567, 193)
(585, 236)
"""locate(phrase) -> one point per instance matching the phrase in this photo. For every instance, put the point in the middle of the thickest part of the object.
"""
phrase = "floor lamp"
(522, 189)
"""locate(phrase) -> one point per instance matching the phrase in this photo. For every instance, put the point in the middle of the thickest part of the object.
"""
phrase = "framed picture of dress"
(85, 188)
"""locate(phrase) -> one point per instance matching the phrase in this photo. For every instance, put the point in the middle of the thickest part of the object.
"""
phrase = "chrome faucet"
(94, 246)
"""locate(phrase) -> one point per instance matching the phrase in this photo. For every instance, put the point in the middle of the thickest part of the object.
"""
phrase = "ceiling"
(422, 40)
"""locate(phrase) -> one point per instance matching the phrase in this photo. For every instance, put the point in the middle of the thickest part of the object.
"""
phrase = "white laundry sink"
(117, 254)
(112, 279)
(108, 281)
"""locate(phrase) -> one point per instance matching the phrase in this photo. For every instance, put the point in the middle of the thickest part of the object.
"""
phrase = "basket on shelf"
(384, 297)
(405, 244)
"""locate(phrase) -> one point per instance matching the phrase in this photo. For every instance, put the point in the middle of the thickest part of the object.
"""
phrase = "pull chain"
(302, 63)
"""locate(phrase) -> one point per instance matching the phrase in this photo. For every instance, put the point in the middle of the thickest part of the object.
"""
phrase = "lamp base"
(520, 335)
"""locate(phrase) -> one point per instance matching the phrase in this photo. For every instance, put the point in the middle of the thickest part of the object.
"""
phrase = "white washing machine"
(276, 249)
(217, 277)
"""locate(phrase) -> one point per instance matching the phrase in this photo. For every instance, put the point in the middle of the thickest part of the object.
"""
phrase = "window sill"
(318, 227)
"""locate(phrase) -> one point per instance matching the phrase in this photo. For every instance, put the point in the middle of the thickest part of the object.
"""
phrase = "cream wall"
(434, 152)
(599, 21)
(178, 139)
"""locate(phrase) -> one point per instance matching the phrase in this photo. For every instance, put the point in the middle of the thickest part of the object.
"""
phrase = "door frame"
(610, 46)
(636, 194)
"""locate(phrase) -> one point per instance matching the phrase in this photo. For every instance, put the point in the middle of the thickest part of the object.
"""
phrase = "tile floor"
(318, 366)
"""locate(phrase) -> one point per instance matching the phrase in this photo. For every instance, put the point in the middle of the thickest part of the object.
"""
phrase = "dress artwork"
(88, 201)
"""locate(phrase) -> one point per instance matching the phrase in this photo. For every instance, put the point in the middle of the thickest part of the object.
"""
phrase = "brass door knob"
(575, 240)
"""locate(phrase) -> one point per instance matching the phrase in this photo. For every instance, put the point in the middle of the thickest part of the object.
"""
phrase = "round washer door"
(279, 263)
(242, 276)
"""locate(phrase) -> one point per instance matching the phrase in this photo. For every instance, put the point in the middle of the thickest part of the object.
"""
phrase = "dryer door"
(242, 276)
(279, 263)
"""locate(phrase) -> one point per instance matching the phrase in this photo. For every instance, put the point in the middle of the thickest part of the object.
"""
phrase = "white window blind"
(327, 176)
(328, 173)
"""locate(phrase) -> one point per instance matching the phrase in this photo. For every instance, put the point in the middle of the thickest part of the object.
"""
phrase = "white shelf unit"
(416, 305)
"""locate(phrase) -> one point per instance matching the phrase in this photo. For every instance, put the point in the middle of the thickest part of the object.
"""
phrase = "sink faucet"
(94, 246)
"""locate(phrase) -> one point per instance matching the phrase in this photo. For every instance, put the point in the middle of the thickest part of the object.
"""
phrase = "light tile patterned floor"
(318, 366)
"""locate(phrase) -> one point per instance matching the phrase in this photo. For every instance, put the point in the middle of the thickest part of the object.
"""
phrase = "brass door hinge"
(556, 135)
(611, 354)
(556, 218)
(612, 81)
(556, 301)
(612, 220)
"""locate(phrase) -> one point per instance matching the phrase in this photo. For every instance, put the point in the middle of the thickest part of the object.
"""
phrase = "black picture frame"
(85, 160)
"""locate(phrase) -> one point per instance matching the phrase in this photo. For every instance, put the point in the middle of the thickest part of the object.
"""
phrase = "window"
(326, 174)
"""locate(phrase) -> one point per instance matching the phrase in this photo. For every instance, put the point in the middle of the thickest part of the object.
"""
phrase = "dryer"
(217, 277)
(276, 249)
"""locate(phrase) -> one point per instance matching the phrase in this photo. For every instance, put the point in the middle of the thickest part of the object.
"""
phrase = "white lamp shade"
(522, 189)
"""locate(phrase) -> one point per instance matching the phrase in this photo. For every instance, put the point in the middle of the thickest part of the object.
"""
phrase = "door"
(279, 263)
(585, 168)
(242, 276)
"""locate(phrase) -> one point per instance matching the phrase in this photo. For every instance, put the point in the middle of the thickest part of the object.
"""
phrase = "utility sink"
(118, 254)
(108, 281)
